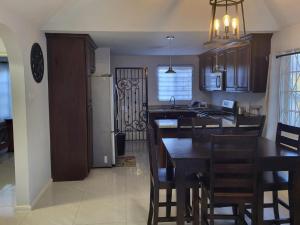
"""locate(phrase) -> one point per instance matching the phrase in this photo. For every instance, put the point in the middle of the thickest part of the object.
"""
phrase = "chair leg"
(241, 214)
(235, 213)
(291, 198)
(188, 205)
(276, 206)
(211, 213)
(196, 206)
(168, 200)
(155, 206)
(203, 207)
(150, 215)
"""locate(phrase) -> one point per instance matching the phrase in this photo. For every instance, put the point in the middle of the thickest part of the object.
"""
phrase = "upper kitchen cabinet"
(71, 61)
(245, 66)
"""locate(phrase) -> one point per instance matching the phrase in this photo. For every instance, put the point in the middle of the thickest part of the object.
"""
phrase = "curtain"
(5, 92)
(272, 99)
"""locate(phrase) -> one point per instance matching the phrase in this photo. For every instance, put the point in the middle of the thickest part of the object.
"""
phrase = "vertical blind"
(290, 90)
(178, 84)
(5, 92)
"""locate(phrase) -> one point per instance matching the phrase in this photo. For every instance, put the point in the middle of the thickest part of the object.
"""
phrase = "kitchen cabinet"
(245, 65)
(169, 114)
(70, 65)
(230, 69)
(243, 68)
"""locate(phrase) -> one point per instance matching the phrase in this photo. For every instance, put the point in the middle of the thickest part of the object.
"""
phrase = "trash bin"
(121, 143)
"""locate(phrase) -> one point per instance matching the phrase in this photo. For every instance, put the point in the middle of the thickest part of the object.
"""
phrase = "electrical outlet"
(105, 159)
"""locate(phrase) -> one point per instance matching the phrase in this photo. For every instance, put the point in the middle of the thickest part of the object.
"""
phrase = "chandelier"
(227, 30)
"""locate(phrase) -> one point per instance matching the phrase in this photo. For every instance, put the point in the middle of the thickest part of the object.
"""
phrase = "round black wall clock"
(37, 62)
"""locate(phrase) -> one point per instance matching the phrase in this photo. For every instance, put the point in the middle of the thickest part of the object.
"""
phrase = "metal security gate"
(131, 91)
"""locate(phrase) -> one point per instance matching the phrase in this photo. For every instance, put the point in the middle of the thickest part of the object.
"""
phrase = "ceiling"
(139, 27)
(151, 43)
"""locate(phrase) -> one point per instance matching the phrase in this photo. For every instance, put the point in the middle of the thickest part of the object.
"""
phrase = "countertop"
(173, 123)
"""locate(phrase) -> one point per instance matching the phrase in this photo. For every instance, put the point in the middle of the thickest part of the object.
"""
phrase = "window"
(178, 85)
(290, 90)
(5, 94)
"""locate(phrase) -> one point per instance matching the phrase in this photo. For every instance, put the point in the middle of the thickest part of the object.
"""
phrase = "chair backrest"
(233, 159)
(184, 126)
(203, 127)
(153, 152)
(251, 123)
(205, 122)
(288, 136)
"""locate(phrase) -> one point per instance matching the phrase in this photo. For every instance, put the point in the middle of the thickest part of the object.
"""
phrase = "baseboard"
(37, 198)
(25, 208)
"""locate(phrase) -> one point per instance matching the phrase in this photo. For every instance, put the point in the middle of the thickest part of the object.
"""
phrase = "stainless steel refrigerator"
(103, 121)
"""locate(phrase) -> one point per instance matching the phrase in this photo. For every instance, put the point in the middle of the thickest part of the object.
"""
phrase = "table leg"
(259, 211)
(295, 197)
(180, 192)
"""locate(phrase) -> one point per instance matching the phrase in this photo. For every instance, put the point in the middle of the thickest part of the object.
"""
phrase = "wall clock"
(37, 62)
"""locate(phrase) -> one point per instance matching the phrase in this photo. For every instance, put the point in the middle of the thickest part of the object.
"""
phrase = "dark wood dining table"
(190, 156)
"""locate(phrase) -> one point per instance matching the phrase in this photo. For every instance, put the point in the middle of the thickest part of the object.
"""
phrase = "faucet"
(174, 102)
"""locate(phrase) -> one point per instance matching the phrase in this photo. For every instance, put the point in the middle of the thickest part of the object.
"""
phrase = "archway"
(17, 74)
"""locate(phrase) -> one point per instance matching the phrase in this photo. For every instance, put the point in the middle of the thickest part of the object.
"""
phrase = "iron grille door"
(131, 91)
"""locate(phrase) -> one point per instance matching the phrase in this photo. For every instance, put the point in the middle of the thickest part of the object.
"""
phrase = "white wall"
(30, 104)
(3, 51)
(243, 99)
(152, 62)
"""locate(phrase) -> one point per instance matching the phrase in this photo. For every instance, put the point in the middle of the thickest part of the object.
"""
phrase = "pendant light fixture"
(227, 31)
(170, 39)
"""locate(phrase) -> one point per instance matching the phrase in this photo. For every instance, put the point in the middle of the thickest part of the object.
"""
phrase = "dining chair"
(3, 136)
(160, 180)
(203, 127)
(251, 123)
(275, 181)
(184, 126)
(232, 177)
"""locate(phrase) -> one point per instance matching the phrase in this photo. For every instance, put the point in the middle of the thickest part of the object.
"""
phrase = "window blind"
(178, 85)
(5, 92)
(290, 90)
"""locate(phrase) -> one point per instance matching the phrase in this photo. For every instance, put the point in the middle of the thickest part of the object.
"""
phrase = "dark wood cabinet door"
(230, 83)
(243, 68)
(208, 63)
(90, 136)
(222, 61)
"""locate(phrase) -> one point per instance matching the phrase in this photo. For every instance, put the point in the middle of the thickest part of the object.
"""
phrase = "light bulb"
(235, 25)
(226, 20)
(217, 27)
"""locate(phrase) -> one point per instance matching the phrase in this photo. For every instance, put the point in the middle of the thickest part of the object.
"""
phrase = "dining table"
(189, 156)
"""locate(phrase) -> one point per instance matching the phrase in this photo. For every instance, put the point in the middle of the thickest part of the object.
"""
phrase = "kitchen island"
(164, 120)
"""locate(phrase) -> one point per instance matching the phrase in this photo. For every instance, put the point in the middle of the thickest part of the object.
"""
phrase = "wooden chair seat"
(276, 181)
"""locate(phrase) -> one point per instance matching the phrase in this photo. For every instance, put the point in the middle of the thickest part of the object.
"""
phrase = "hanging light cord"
(170, 41)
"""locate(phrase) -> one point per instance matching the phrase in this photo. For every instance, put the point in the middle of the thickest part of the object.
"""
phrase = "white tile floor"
(117, 196)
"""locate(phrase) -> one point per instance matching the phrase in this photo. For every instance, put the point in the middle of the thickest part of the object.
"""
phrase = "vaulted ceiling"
(139, 26)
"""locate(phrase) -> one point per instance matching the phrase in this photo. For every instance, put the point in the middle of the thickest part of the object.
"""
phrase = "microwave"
(214, 81)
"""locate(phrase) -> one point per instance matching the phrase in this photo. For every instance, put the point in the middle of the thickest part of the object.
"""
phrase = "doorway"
(131, 86)
(7, 165)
